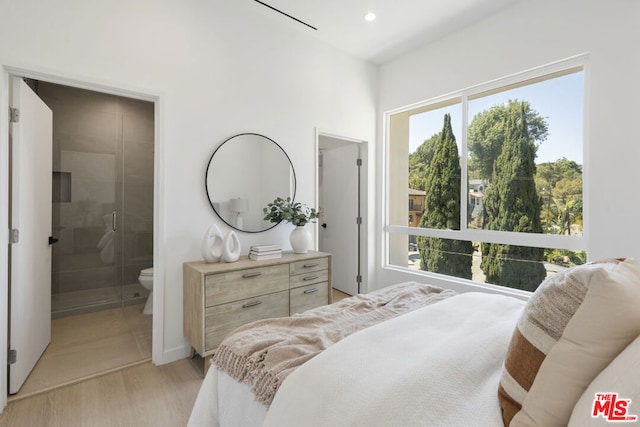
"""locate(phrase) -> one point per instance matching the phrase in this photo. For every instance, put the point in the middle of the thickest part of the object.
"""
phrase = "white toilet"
(146, 280)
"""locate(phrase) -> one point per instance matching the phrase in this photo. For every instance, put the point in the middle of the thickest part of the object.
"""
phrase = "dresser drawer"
(310, 265)
(309, 278)
(219, 297)
(222, 319)
(307, 297)
(221, 288)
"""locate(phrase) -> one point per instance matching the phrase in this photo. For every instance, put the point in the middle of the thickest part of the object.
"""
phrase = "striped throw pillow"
(575, 323)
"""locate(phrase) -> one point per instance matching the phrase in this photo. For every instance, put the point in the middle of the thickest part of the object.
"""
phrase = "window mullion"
(464, 179)
(537, 240)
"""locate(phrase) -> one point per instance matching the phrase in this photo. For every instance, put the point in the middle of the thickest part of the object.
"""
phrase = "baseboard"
(172, 355)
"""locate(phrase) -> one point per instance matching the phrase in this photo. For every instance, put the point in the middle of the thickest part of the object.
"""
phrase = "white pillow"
(622, 376)
(572, 327)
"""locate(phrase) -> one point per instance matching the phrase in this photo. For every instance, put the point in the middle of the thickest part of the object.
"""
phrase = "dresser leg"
(201, 364)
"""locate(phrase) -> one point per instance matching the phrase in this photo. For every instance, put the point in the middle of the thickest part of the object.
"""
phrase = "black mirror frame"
(206, 179)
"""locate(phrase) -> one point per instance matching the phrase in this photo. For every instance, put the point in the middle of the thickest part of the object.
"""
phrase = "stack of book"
(262, 252)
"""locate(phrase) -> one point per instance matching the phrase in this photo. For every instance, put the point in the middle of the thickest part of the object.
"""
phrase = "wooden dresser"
(219, 297)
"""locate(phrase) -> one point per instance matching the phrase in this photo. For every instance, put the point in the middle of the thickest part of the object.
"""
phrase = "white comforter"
(435, 366)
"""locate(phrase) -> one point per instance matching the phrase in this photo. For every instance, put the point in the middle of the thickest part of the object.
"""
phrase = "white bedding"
(222, 401)
(438, 365)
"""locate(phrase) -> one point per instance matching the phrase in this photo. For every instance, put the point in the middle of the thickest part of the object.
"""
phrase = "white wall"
(222, 67)
(218, 68)
(527, 35)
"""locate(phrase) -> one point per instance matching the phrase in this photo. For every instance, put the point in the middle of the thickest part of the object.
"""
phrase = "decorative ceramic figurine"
(231, 247)
(212, 243)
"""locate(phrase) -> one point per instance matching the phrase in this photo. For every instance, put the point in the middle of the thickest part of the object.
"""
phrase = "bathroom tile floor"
(89, 345)
(80, 302)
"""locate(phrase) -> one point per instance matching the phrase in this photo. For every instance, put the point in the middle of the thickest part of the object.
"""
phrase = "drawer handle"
(311, 291)
(315, 264)
(306, 279)
(254, 274)
(251, 304)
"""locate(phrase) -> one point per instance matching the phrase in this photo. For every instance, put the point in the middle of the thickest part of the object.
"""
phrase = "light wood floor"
(144, 395)
(337, 295)
(140, 395)
(91, 344)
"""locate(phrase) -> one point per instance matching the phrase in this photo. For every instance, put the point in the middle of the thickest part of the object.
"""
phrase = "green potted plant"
(296, 213)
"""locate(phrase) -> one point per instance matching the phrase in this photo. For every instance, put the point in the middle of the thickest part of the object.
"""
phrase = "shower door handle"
(113, 220)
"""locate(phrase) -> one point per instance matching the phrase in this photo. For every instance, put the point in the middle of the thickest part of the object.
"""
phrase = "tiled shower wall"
(103, 150)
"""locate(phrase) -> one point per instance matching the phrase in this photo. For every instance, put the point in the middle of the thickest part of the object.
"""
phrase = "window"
(499, 168)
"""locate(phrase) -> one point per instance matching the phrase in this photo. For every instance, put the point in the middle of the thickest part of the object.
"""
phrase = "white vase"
(231, 247)
(211, 246)
(300, 240)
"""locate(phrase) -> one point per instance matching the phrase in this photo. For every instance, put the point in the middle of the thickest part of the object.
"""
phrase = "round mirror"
(245, 173)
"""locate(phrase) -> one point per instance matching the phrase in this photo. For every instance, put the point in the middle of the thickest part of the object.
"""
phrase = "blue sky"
(560, 101)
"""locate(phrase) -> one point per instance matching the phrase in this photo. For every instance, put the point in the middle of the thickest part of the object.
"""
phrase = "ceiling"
(400, 26)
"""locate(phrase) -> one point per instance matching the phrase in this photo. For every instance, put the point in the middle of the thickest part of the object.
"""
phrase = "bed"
(457, 359)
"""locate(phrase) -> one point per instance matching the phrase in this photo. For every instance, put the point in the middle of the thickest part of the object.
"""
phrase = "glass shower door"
(84, 268)
(86, 137)
(137, 154)
(103, 154)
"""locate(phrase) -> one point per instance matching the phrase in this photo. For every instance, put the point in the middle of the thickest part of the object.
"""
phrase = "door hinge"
(358, 162)
(358, 279)
(14, 115)
(14, 235)
(359, 220)
(13, 356)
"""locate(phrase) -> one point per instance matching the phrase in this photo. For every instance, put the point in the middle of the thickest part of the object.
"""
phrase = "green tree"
(418, 161)
(512, 204)
(442, 210)
(552, 172)
(559, 184)
(486, 135)
(567, 197)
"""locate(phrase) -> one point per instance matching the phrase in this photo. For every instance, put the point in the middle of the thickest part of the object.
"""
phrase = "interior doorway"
(101, 191)
(342, 190)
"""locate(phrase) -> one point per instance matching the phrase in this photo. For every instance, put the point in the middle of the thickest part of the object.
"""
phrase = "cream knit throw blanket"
(262, 354)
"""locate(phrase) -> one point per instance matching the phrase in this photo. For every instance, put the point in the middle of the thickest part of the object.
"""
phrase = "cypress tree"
(442, 210)
(512, 204)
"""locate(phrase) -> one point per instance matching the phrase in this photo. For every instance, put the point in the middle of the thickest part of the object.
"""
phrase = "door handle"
(53, 240)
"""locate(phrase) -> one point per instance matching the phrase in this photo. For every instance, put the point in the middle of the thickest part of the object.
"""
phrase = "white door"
(30, 280)
(339, 204)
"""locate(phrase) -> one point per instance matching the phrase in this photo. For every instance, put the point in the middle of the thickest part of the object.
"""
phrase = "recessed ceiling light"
(370, 17)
